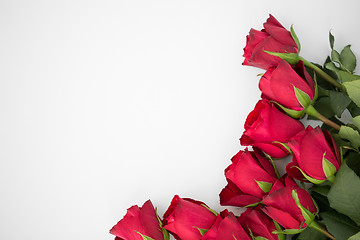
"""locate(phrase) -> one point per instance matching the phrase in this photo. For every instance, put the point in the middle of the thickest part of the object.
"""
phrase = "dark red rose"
(250, 177)
(258, 223)
(274, 38)
(315, 153)
(280, 204)
(266, 128)
(187, 218)
(226, 227)
(280, 84)
(138, 221)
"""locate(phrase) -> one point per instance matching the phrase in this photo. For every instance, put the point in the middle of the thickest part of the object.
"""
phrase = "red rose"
(283, 83)
(187, 218)
(274, 38)
(258, 223)
(315, 153)
(250, 177)
(226, 227)
(281, 206)
(138, 221)
(266, 128)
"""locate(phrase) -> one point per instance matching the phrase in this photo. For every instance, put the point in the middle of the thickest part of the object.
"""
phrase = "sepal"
(291, 58)
(290, 112)
(265, 186)
(328, 168)
(302, 97)
(308, 216)
(296, 39)
(310, 179)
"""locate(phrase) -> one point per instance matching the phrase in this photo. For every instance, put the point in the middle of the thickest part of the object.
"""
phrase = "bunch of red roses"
(327, 156)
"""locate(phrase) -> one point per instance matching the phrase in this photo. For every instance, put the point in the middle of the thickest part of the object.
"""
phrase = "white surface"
(105, 104)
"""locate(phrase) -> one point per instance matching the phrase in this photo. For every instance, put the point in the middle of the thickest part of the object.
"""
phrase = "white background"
(105, 104)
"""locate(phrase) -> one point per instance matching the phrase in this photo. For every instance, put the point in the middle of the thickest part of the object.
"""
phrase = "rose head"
(292, 88)
(137, 222)
(187, 218)
(226, 227)
(281, 204)
(267, 128)
(258, 223)
(250, 177)
(315, 156)
(274, 38)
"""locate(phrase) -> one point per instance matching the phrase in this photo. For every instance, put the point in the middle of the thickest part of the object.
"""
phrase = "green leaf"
(339, 141)
(296, 39)
(344, 195)
(343, 76)
(353, 90)
(331, 40)
(292, 58)
(335, 56)
(356, 121)
(265, 186)
(323, 190)
(347, 77)
(321, 201)
(311, 234)
(339, 102)
(302, 97)
(350, 134)
(339, 225)
(145, 237)
(353, 161)
(348, 59)
(353, 109)
(355, 237)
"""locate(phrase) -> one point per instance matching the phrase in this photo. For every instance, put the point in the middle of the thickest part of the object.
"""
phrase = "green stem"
(319, 228)
(313, 112)
(320, 72)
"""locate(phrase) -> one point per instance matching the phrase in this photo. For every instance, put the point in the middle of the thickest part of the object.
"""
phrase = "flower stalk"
(321, 73)
(319, 228)
(313, 112)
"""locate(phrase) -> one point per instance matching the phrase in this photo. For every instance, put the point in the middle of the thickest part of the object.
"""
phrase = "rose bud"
(188, 219)
(315, 156)
(273, 38)
(226, 227)
(269, 129)
(139, 223)
(290, 206)
(292, 88)
(255, 222)
(250, 177)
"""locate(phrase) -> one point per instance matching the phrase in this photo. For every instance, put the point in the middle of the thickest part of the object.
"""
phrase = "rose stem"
(313, 112)
(323, 74)
(317, 227)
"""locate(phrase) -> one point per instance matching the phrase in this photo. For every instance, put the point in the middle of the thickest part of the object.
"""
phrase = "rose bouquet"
(319, 196)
